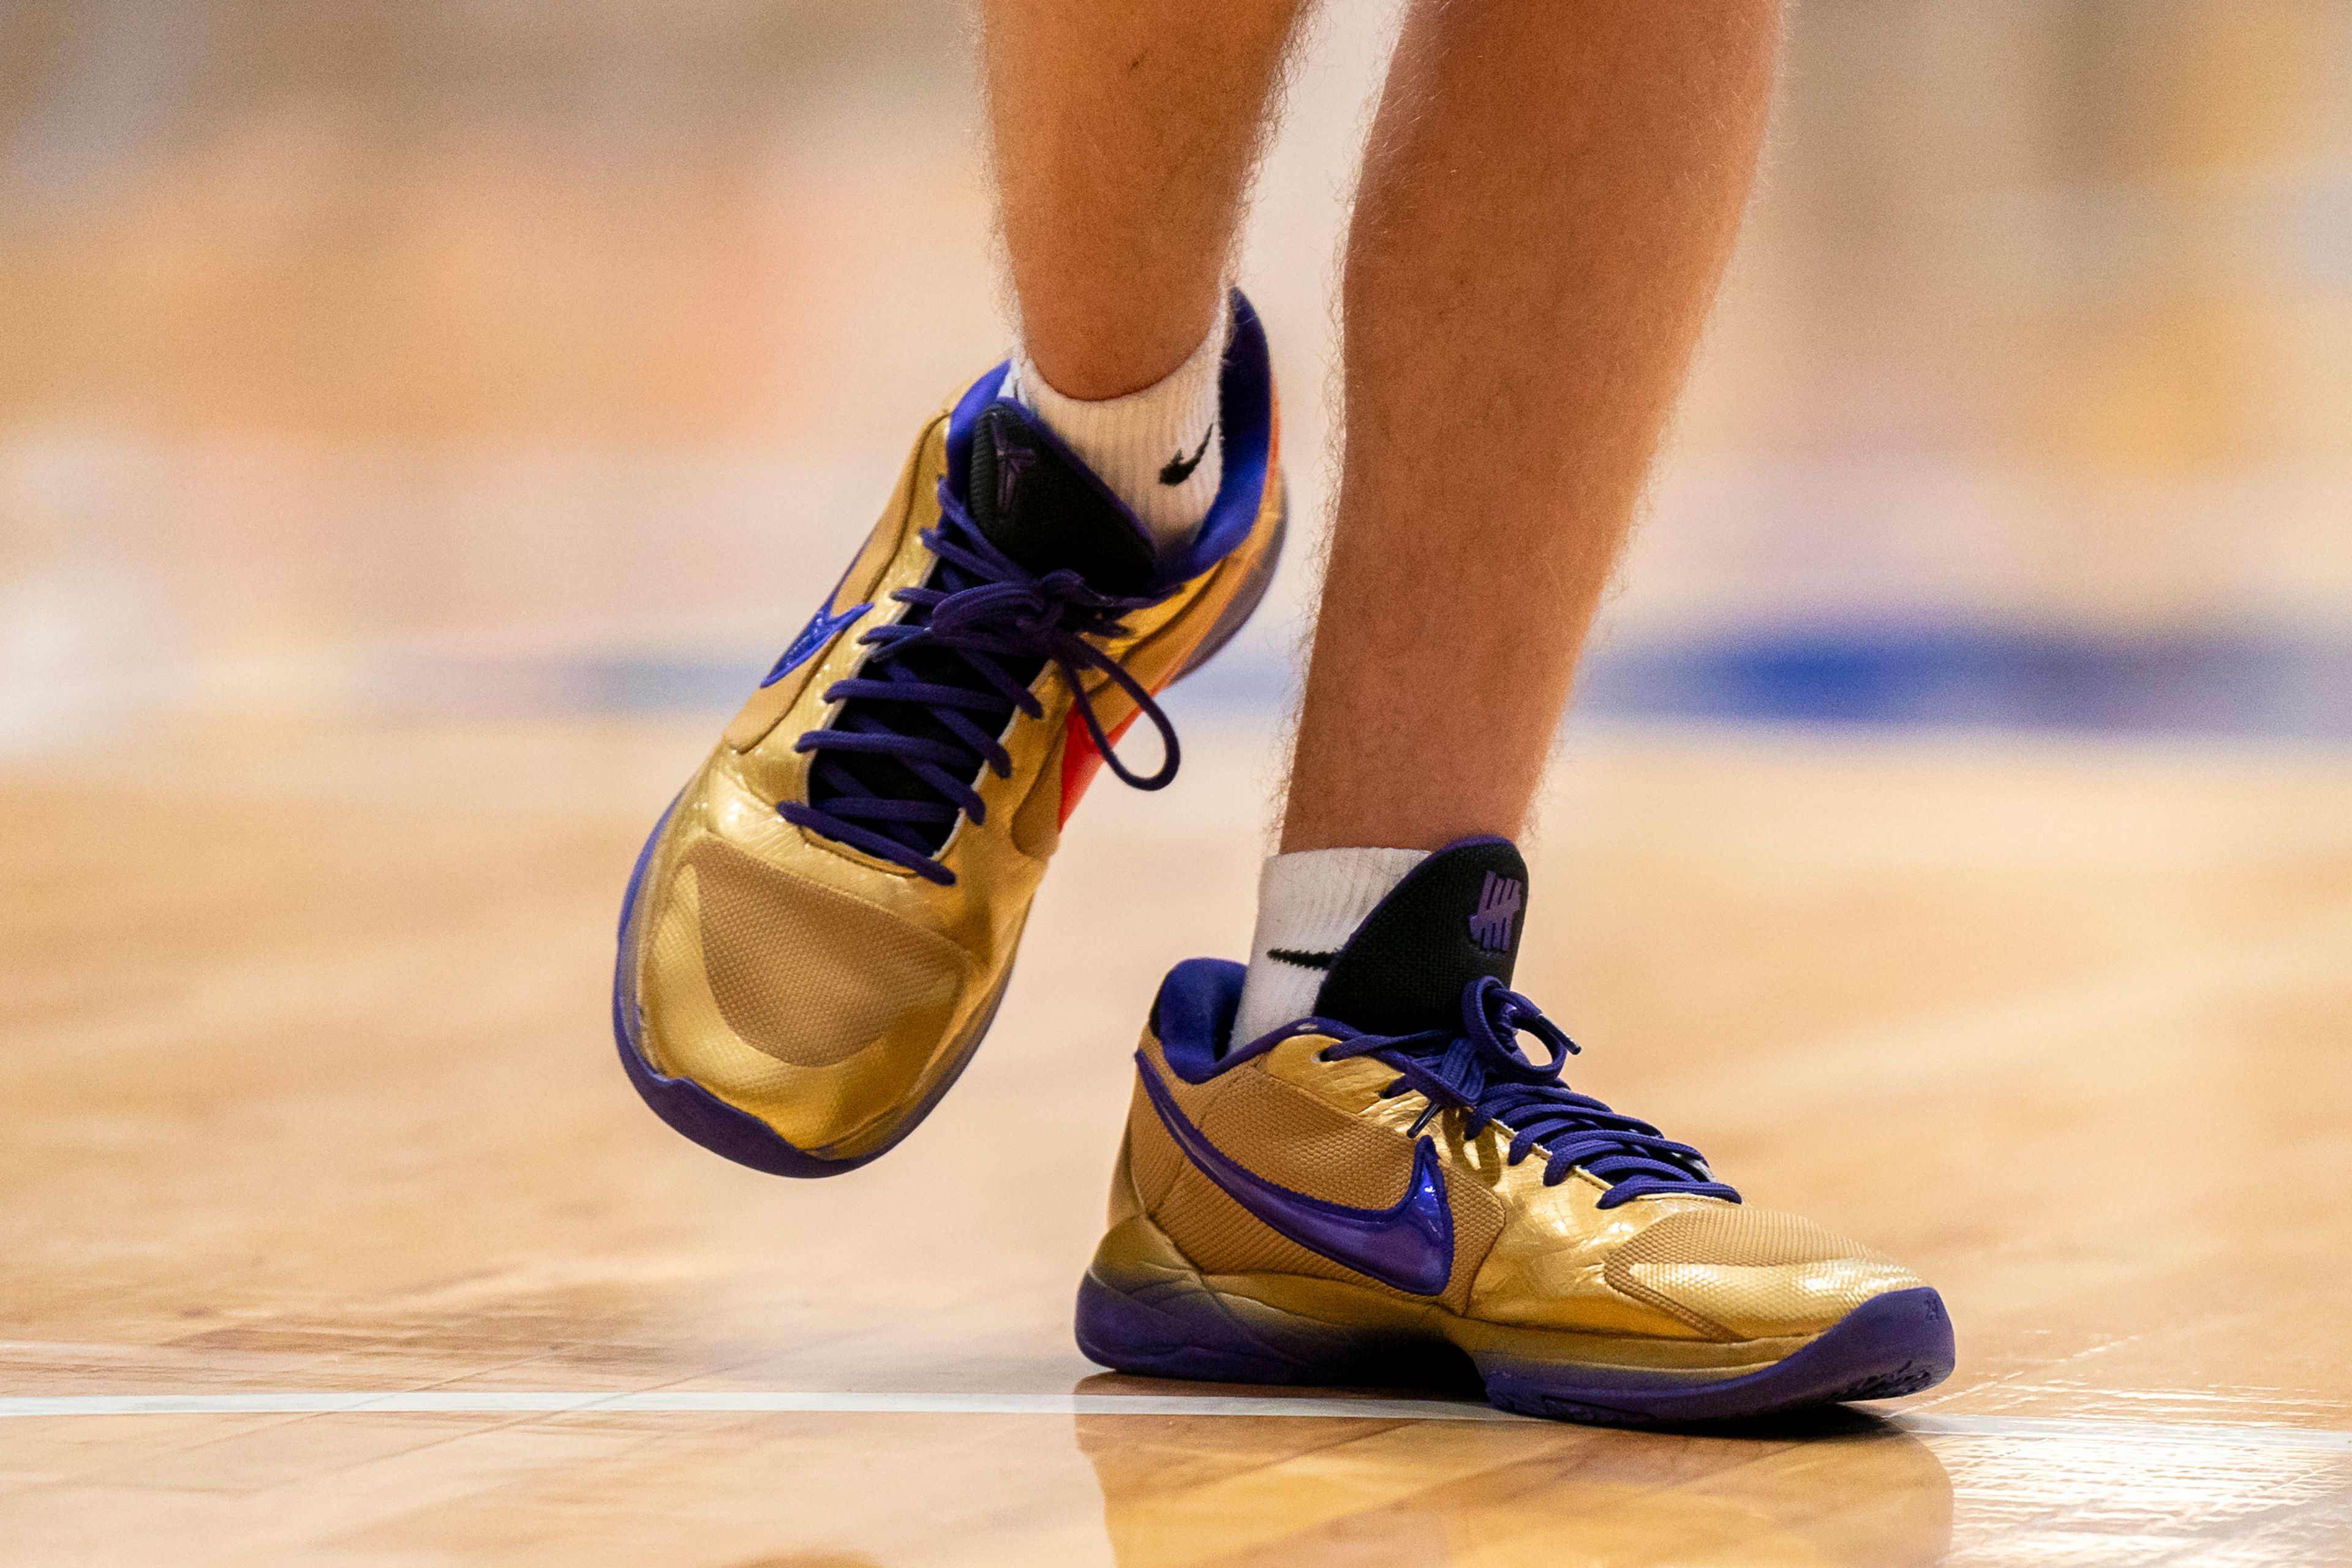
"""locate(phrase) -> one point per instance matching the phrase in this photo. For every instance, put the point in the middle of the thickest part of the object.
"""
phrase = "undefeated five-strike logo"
(1498, 906)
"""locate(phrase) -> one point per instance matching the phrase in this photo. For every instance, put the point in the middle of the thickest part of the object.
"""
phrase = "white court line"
(686, 1402)
(509, 1403)
(2199, 1433)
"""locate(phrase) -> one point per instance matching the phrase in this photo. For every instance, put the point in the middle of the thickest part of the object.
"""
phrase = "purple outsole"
(1891, 1345)
(738, 1135)
(1894, 1344)
(1175, 1328)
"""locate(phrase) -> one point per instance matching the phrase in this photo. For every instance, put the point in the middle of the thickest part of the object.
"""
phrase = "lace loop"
(996, 619)
(1480, 1070)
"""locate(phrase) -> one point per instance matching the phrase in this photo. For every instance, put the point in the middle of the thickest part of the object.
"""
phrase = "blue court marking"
(2220, 683)
(2211, 682)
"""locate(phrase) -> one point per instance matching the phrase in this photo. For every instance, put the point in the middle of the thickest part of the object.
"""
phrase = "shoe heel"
(1246, 602)
(1163, 1331)
(1143, 1308)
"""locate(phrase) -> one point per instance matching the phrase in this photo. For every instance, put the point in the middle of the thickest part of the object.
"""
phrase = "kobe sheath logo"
(1408, 1246)
(1013, 458)
(1498, 906)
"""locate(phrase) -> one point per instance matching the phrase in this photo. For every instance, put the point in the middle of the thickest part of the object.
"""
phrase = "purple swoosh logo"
(820, 631)
(1410, 1246)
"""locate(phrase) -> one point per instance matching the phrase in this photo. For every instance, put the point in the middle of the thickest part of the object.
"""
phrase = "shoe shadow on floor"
(1835, 1486)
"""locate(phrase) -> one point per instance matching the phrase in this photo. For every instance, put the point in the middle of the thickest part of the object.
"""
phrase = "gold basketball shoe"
(1393, 1187)
(820, 929)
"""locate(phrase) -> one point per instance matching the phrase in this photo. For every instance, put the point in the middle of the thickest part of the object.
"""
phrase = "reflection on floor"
(1842, 1489)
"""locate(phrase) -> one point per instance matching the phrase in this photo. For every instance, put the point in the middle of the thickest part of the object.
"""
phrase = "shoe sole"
(1172, 1322)
(736, 1134)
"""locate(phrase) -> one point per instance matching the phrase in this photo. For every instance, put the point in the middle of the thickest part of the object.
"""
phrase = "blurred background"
(505, 357)
(421, 423)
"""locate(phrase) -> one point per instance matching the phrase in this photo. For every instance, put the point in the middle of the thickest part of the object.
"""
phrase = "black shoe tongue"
(1456, 916)
(1036, 503)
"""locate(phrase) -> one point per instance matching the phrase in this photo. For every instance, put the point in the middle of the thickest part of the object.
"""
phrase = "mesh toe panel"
(811, 976)
(1738, 1238)
(1743, 1273)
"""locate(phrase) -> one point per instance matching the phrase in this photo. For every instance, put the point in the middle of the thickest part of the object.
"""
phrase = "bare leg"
(1550, 196)
(1125, 138)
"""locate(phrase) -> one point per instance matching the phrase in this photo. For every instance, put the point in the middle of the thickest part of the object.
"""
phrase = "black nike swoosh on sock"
(1291, 955)
(1179, 467)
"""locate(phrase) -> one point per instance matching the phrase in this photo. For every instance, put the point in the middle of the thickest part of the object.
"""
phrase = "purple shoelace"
(1479, 1069)
(998, 619)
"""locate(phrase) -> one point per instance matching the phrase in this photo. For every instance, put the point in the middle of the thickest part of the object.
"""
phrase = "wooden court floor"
(310, 1135)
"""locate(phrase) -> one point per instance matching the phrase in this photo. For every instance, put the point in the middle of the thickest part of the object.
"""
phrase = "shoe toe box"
(817, 1012)
(1738, 1273)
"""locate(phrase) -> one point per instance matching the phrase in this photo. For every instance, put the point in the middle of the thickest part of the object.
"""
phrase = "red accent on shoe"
(1081, 761)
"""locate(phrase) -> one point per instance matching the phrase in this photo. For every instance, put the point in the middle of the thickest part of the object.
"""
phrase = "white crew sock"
(1308, 904)
(1160, 450)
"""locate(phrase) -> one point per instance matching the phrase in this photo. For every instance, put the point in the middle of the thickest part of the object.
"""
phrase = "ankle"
(1158, 450)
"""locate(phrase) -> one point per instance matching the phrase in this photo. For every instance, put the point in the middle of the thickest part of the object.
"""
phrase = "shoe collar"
(1245, 408)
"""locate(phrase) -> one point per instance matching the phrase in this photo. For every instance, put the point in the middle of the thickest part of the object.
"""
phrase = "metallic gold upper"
(1701, 1271)
(822, 990)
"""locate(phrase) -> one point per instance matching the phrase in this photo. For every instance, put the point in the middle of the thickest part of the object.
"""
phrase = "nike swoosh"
(813, 637)
(1410, 1246)
(1180, 467)
(1298, 958)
